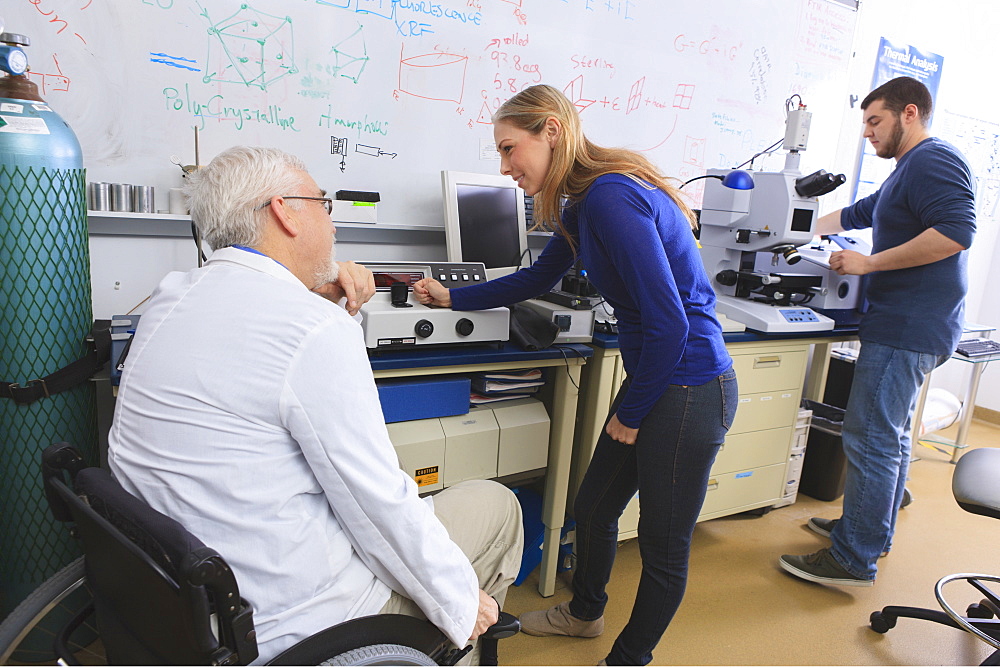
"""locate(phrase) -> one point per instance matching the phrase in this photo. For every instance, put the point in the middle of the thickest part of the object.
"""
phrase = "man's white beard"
(329, 270)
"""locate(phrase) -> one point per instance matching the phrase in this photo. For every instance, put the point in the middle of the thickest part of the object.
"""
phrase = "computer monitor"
(484, 221)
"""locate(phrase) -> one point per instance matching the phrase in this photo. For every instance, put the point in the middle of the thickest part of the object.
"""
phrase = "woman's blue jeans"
(876, 437)
(669, 466)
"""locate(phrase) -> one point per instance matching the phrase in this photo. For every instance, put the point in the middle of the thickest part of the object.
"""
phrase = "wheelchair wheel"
(29, 632)
(381, 655)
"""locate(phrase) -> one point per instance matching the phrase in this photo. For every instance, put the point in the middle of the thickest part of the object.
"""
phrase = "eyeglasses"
(327, 202)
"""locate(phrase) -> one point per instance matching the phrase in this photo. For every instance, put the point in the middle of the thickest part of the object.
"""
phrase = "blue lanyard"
(256, 252)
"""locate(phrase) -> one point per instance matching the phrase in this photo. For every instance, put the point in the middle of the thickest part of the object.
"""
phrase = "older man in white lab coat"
(248, 411)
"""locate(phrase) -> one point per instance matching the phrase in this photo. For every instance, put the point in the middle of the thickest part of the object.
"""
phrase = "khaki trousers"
(484, 519)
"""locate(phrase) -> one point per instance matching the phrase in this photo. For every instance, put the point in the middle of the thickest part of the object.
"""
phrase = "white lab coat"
(248, 412)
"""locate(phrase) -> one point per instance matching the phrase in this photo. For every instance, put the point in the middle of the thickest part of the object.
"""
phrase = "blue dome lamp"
(736, 179)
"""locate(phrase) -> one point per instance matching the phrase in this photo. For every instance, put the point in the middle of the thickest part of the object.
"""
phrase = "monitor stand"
(498, 272)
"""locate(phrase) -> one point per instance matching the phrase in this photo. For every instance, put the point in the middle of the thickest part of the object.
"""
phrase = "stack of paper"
(502, 385)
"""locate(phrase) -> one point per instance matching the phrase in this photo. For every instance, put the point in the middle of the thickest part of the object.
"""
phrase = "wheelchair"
(151, 593)
(974, 485)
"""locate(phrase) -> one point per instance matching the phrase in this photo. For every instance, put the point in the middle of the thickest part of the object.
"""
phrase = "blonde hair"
(576, 161)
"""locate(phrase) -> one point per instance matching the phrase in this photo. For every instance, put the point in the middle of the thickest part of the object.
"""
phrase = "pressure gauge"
(13, 60)
(12, 57)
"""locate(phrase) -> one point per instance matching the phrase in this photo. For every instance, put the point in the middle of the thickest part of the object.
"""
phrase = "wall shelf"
(115, 223)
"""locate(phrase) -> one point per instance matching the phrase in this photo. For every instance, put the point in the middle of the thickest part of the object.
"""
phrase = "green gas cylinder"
(45, 314)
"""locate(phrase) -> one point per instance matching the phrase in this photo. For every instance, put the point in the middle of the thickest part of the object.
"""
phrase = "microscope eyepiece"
(818, 183)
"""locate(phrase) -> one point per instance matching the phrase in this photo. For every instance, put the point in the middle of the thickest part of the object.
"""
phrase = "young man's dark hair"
(899, 92)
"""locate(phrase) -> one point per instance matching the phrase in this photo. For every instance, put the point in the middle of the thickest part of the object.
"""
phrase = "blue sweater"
(639, 252)
(919, 308)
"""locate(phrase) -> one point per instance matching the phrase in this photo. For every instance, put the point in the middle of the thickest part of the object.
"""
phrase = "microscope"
(752, 225)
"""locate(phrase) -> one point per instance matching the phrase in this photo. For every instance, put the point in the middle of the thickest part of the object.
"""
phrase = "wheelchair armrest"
(56, 460)
(508, 625)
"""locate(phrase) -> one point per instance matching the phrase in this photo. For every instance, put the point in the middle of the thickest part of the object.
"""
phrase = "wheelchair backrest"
(155, 585)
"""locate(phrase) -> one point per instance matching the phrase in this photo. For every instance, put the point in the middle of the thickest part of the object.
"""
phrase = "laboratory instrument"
(744, 225)
(393, 318)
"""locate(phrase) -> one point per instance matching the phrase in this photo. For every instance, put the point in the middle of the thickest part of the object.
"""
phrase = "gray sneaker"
(821, 567)
(825, 528)
(556, 621)
(821, 526)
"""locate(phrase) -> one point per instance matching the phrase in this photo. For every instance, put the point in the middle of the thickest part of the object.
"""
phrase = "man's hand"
(489, 614)
(430, 291)
(850, 262)
(354, 281)
(620, 432)
(927, 247)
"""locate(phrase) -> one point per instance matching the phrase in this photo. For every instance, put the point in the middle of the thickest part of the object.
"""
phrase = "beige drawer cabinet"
(749, 471)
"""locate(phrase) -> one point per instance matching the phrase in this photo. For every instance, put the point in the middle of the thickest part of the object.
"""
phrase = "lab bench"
(750, 469)
(560, 396)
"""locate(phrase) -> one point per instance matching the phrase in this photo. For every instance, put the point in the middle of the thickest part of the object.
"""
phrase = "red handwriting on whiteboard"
(712, 46)
(586, 62)
(57, 20)
(51, 82)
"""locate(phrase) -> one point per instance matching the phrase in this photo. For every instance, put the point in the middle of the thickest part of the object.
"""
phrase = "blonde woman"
(633, 233)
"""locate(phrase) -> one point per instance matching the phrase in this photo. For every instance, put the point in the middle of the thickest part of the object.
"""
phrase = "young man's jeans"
(669, 466)
(876, 437)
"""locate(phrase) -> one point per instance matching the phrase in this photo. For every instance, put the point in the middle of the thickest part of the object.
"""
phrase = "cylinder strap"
(69, 376)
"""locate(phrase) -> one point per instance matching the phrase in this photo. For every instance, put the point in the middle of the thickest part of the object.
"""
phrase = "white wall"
(967, 114)
(126, 269)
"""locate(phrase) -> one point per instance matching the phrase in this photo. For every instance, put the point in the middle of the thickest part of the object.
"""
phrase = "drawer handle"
(766, 362)
(713, 484)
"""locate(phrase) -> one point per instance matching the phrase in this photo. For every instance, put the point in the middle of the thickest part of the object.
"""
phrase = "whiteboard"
(382, 95)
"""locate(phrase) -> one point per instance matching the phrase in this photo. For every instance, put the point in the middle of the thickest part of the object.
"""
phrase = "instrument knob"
(398, 293)
(424, 328)
(464, 327)
(727, 277)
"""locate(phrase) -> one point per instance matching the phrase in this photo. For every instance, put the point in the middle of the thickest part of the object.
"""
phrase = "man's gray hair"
(225, 196)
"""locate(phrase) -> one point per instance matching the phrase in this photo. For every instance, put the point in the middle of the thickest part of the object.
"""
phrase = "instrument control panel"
(393, 318)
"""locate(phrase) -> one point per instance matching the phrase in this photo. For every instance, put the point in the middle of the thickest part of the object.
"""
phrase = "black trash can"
(839, 379)
(824, 468)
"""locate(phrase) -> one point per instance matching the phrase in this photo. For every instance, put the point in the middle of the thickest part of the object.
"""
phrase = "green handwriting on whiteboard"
(215, 108)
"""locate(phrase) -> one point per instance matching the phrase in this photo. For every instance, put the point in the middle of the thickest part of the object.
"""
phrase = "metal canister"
(121, 197)
(142, 199)
(100, 196)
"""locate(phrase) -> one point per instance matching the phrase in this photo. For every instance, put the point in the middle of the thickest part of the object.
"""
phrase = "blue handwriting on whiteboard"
(395, 11)
(170, 60)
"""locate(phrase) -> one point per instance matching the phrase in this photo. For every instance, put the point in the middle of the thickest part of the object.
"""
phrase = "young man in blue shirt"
(923, 219)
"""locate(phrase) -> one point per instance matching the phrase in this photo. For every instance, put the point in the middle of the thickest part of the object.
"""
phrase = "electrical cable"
(196, 235)
(769, 149)
(139, 304)
(520, 260)
(562, 350)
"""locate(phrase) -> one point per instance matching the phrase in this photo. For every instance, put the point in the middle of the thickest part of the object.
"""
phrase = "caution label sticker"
(23, 125)
(427, 476)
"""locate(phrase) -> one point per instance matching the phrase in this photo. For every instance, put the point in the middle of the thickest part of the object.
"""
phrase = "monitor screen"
(488, 219)
(484, 219)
